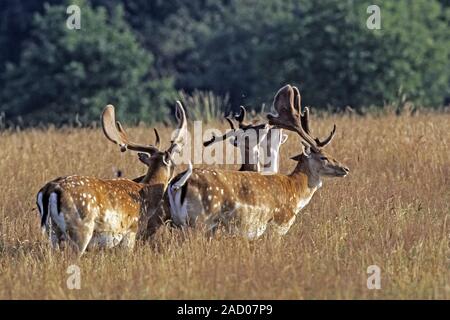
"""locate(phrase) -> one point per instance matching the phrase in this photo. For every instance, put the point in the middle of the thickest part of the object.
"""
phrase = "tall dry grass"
(391, 211)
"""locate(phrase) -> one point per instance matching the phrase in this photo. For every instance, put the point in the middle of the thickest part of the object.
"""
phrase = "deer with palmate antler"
(265, 135)
(90, 212)
(247, 202)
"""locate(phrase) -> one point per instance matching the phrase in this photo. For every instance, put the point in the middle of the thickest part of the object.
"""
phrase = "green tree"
(250, 48)
(62, 72)
(15, 23)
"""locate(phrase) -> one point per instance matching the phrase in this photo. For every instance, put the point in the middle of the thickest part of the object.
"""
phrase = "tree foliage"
(136, 55)
(63, 72)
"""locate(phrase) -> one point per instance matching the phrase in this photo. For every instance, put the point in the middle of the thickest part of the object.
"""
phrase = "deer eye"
(323, 158)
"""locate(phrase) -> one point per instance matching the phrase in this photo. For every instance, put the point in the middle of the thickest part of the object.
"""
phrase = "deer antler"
(287, 103)
(242, 127)
(114, 132)
(304, 120)
(227, 135)
(179, 140)
(240, 117)
(288, 117)
(157, 139)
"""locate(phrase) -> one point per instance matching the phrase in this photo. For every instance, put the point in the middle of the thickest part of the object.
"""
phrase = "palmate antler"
(287, 103)
(115, 132)
(304, 120)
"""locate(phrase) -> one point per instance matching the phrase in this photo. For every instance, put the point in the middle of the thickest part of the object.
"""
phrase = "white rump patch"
(177, 185)
(178, 211)
(57, 217)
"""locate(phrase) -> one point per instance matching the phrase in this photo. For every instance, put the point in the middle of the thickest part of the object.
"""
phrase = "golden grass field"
(392, 211)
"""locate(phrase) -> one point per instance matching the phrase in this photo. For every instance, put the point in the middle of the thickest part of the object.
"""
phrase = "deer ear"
(284, 98)
(297, 157)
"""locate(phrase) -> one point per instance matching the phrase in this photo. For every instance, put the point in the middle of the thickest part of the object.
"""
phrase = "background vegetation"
(139, 54)
(391, 211)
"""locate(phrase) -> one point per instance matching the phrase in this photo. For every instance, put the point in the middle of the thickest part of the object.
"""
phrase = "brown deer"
(247, 202)
(250, 153)
(104, 213)
(265, 137)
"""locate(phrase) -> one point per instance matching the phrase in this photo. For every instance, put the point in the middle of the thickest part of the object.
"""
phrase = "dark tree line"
(139, 53)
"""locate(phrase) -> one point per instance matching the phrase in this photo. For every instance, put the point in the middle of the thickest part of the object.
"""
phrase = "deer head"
(287, 103)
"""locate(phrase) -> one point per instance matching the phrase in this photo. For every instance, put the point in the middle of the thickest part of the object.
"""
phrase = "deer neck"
(156, 175)
(314, 181)
(154, 186)
(303, 186)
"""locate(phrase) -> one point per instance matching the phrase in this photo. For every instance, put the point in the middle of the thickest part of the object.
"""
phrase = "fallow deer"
(91, 212)
(271, 137)
(247, 202)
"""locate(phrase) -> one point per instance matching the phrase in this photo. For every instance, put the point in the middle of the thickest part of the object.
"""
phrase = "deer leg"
(128, 241)
(81, 235)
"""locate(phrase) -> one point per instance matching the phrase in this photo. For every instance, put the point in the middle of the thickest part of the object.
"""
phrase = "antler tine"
(215, 138)
(304, 118)
(327, 140)
(114, 132)
(157, 139)
(240, 117)
(230, 122)
(297, 101)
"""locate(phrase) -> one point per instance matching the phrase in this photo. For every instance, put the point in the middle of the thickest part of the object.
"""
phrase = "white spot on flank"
(113, 218)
